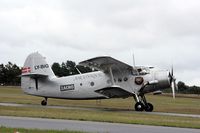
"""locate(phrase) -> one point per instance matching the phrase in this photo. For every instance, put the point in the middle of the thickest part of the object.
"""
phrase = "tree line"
(184, 89)
(9, 75)
(69, 68)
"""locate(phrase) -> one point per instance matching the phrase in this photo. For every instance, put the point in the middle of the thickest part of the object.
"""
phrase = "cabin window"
(119, 80)
(125, 79)
(92, 83)
(108, 81)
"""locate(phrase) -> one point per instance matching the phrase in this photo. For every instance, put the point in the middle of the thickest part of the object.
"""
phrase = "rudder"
(35, 68)
(36, 64)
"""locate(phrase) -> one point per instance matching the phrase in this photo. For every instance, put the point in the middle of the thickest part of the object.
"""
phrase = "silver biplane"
(114, 79)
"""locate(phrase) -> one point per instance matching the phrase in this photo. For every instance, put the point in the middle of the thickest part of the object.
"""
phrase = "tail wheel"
(44, 102)
(149, 107)
(139, 106)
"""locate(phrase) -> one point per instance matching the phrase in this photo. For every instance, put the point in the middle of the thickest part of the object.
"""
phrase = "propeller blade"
(173, 85)
(176, 87)
(173, 82)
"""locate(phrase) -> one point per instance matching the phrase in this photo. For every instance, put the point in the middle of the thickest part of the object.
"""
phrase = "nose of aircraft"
(166, 79)
(162, 76)
(160, 79)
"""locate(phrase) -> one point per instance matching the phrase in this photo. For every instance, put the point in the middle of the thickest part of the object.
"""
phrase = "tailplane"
(35, 69)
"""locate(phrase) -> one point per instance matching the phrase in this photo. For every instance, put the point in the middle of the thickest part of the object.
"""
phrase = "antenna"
(134, 67)
(133, 60)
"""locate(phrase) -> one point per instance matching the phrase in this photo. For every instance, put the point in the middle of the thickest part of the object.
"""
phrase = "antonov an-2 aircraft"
(114, 79)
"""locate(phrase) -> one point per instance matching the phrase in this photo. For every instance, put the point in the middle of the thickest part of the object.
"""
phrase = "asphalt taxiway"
(87, 126)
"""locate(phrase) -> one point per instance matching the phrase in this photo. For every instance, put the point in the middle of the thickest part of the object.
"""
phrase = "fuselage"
(83, 86)
(114, 79)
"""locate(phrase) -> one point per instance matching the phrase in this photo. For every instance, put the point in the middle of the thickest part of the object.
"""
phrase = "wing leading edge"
(104, 62)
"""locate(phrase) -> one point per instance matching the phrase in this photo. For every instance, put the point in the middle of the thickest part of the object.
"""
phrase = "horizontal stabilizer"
(32, 75)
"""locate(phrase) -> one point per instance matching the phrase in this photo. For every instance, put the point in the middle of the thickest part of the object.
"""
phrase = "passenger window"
(125, 79)
(92, 83)
(119, 80)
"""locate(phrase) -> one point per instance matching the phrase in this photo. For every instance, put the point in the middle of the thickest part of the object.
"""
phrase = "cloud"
(160, 33)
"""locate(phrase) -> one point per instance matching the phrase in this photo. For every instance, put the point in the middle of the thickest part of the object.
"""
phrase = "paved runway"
(105, 109)
(100, 127)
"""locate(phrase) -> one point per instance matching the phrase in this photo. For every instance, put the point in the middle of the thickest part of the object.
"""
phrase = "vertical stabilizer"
(34, 72)
(36, 64)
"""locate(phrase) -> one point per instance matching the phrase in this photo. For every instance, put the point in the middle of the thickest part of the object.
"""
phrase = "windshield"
(141, 70)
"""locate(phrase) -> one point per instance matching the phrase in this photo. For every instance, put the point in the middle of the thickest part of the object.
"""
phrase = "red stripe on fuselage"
(26, 69)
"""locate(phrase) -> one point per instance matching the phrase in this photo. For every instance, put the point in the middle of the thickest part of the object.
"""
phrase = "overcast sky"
(159, 32)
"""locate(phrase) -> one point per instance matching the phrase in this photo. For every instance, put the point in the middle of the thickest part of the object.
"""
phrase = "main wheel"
(139, 106)
(44, 102)
(148, 107)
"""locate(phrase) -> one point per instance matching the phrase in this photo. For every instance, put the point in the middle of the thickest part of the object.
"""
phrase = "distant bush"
(9, 74)
(185, 89)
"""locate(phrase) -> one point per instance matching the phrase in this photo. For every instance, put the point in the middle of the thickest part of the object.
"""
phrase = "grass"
(185, 105)
(103, 116)
(22, 130)
(117, 112)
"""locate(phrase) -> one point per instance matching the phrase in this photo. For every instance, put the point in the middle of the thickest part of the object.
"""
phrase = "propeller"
(172, 80)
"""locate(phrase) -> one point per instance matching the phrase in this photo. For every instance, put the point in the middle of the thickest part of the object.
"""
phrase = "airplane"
(113, 79)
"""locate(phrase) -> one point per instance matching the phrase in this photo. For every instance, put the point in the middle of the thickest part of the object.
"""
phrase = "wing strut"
(36, 83)
(111, 75)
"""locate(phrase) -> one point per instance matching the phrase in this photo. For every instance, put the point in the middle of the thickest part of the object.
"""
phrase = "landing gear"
(148, 107)
(44, 102)
(139, 106)
(141, 103)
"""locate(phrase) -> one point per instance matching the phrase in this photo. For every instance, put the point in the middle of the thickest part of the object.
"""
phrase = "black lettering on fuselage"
(89, 76)
(67, 87)
(41, 66)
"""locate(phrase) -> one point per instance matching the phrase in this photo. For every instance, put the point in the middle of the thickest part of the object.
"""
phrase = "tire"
(139, 106)
(149, 107)
(44, 103)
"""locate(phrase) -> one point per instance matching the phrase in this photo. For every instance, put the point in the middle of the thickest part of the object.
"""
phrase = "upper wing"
(104, 62)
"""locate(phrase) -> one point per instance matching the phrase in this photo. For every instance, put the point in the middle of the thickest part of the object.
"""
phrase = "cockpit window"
(151, 67)
(141, 71)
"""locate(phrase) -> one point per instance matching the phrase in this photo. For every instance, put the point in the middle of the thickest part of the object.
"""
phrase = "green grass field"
(21, 130)
(189, 104)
